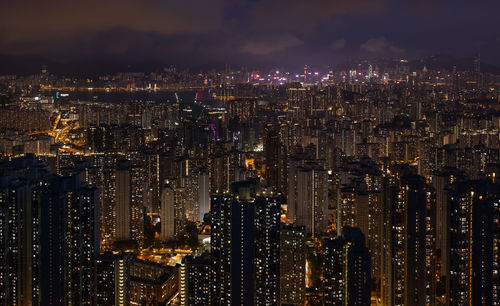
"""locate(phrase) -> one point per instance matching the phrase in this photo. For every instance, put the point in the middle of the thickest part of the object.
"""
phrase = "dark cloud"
(337, 44)
(247, 31)
(303, 15)
(426, 7)
(380, 45)
(271, 45)
(38, 20)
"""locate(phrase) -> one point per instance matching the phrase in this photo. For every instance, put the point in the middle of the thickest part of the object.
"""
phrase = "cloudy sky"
(282, 32)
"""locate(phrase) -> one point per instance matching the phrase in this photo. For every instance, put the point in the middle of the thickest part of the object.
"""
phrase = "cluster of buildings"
(363, 190)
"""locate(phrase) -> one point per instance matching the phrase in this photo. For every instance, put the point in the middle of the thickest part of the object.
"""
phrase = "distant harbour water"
(160, 96)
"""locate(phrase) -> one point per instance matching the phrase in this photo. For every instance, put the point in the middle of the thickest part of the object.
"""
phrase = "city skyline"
(249, 152)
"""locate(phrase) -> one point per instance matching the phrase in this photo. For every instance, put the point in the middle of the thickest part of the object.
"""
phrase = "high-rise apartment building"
(245, 246)
(203, 193)
(195, 280)
(308, 196)
(411, 237)
(167, 215)
(346, 269)
(49, 236)
(292, 265)
(474, 243)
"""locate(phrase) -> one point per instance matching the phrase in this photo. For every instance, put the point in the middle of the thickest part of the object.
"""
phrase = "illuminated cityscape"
(279, 165)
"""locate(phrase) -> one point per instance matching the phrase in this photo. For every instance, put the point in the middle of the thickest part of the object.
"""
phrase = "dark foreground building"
(346, 269)
(245, 246)
(49, 236)
(474, 243)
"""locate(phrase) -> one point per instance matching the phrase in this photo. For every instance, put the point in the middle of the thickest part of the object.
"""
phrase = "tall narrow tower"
(167, 213)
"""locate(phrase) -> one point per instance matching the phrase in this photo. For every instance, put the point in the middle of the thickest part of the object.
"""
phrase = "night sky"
(277, 32)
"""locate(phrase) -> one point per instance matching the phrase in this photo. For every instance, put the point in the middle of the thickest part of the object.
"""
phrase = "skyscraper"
(474, 243)
(267, 249)
(20, 249)
(359, 204)
(245, 246)
(81, 228)
(167, 215)
(292, 265)
(408, 197)
(203, 193)
(276, 159)
(129, 209)
(346, 269)
(50, 236)
(442, 183)
(196, 280)
(308, 196)
(220, 248)
(113, 278)
(123, 204)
